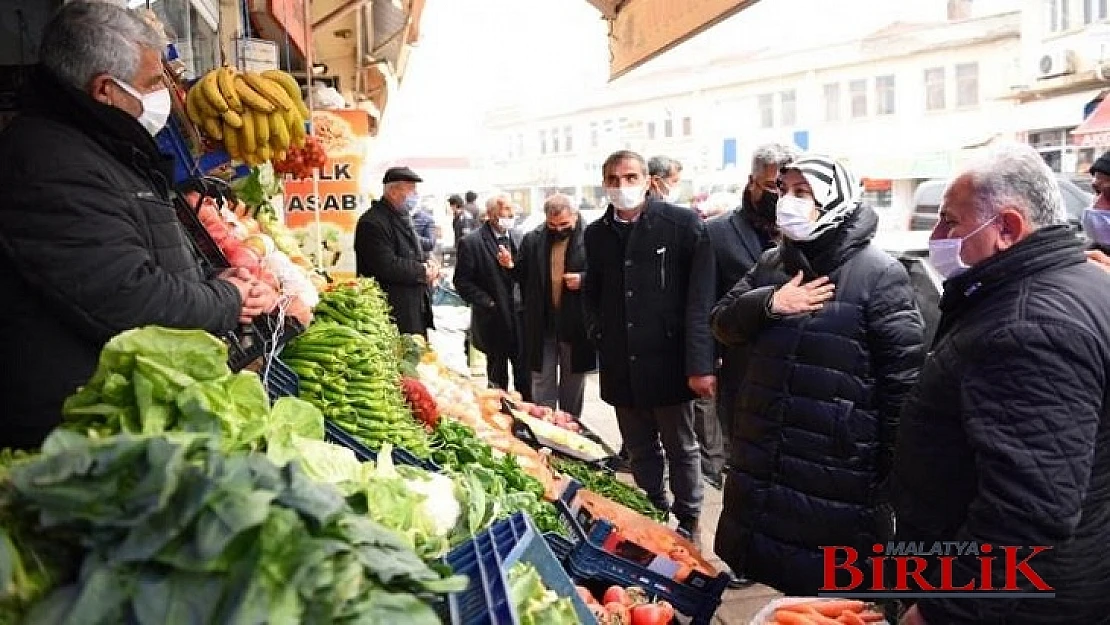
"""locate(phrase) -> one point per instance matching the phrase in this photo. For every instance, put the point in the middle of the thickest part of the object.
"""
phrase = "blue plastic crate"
(698, 598)
(560, 545)
(486, 560)
(334, 433)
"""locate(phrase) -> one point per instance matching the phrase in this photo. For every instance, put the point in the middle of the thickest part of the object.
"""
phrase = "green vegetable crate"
(486, 560)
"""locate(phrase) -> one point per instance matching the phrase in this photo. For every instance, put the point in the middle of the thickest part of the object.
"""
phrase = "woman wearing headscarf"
(833, 342)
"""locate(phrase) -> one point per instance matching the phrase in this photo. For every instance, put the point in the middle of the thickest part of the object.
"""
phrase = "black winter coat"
(90, 246)
(1006, 439)
(489, 288)
(816, 412)
(647, 305)
(388, 250)
(533, 271)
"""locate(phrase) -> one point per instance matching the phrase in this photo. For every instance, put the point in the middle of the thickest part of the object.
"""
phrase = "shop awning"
(1095, 130)
(640, 30)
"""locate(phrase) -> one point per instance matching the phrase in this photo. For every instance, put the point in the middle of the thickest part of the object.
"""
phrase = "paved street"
(739, 606)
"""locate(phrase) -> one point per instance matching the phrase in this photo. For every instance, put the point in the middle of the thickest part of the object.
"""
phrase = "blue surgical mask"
(412, 200)
(1096, 224)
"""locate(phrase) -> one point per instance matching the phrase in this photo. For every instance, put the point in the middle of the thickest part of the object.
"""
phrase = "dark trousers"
(653, 436)
(497, 366)
(711, 436)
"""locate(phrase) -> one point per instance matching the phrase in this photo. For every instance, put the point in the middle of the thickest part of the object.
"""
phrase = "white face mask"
(1096, 223)
(673, 195)
(945, 254)
(156, 106)
(626, 198)
(505, 223)
(792, 214)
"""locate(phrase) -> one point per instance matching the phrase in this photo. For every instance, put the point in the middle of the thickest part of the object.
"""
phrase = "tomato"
(651, 614)
(667, 608)
(616, 594)
(619, 614)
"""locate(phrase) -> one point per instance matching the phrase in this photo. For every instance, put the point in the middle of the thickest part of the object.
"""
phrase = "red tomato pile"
(423, 405)
(627, 606)
(300, 162)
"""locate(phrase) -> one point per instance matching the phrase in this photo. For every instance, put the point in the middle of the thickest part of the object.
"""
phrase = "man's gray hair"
(663, 166)
(769, 154)
(88, 38)
(556, 203)
(1015, 175)
(496, 201)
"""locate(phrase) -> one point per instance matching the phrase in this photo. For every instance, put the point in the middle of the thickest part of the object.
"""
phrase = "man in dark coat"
(738, 238)
(462, 222)
(549, 267)
(90, 244)
(1006, 439)
(496, 308)
(647, 305)
(834, 344)
(388, 250)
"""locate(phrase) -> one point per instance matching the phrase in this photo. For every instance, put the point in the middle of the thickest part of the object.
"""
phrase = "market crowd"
(774, 350)
(777, 349)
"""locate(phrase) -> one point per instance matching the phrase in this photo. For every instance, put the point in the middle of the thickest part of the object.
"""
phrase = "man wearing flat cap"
(388, 250)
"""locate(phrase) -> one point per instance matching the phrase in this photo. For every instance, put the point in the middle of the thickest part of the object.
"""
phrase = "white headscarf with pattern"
(836, 190)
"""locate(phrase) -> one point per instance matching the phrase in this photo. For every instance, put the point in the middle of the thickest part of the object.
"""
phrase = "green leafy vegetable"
(172, 529)
(607, 485)
(507, 487)
(535, 604)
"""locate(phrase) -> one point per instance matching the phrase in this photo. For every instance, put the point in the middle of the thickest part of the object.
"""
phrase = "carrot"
(786, 617)
(835, 607)
(850, 618)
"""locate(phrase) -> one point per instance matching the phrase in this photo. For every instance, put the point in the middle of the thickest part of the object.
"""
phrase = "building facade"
(902, 105)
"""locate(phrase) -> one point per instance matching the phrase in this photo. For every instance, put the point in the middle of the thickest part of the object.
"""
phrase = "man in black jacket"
(462, 222)
(549, 268)
(90, 245)
(388, 250)
(496, 307)
(647, 305)
(737, 239)
(1006, 439)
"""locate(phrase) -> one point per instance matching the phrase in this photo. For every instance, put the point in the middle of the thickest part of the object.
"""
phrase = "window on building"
(687, 126)
(668, 128)
(1059, 14)
(832, 102)
(193, 35)
(766, 104)
(554, 140)
(789, 101)
(967, 84)
(568, 138)
(543, 142)
(935, 97)
(1094, 10)
(857, 92)
(886, 95)
(593, 135)
(651, 130)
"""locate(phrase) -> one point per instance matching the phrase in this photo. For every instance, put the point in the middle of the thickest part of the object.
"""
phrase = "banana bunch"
(257, 116)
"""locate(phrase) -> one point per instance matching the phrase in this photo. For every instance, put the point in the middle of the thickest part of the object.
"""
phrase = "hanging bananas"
(256, 116)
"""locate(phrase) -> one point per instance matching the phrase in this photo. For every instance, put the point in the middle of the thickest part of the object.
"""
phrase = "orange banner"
(341, 193)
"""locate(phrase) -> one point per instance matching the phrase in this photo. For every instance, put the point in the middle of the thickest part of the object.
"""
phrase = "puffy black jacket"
(1006, 440)
(817, 407)
(90, 246)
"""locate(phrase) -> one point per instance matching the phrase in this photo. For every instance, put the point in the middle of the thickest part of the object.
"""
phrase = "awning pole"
(312, 130)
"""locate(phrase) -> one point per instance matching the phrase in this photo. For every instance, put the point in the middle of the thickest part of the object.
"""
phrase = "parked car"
(927, 199)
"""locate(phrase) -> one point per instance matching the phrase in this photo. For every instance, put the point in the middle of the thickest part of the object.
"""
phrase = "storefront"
(191, 27)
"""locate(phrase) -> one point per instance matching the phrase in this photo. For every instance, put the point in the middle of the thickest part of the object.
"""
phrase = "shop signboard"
(256, 55)
(645, 29)
(323, 213)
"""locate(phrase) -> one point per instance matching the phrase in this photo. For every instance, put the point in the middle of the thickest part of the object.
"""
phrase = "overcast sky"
(475, 55)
